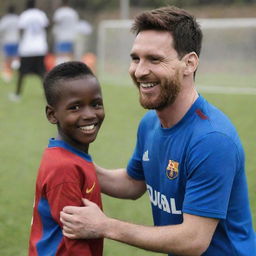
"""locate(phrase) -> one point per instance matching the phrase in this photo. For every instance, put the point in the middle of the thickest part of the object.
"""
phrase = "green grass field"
(24, 133)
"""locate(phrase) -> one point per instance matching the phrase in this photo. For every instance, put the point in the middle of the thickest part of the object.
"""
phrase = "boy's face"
(78, 112)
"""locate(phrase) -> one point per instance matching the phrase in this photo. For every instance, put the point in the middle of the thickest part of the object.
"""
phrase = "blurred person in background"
(84, 29)
(65, 22)
(33, 45)
(188, 155)
(9, 34)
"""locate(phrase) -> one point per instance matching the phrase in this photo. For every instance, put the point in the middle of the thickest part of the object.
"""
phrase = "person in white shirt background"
(65, 23)
(33, 45)
(9, 34)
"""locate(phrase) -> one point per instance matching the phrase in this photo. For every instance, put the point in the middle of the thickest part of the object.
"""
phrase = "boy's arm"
(68, 193)
(66, 186)
(117, 183)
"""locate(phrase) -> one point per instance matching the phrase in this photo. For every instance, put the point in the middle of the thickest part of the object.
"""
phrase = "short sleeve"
(212, 164)
(66, 193)
(134, 167)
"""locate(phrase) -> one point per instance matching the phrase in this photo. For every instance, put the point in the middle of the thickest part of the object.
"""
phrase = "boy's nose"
(88, 113)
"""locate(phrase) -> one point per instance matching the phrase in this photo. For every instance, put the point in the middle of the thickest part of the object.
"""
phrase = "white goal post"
(229, 49)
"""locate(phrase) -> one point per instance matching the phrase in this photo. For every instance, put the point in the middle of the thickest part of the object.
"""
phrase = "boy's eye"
(75, 107)
(98, 104)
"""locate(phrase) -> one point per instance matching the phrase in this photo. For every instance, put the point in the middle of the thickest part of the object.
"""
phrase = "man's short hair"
(186, 32)
(62, 72)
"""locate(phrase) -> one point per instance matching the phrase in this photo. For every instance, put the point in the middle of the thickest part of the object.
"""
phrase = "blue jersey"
(197, 167)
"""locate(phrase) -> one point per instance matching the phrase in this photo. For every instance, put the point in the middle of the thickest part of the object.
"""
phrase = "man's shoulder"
(210, 118)
(210, 124)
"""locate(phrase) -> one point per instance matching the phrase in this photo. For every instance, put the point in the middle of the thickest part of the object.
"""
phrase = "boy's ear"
(50, 114)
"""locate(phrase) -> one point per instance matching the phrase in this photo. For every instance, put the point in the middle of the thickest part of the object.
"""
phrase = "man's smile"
(147, 85)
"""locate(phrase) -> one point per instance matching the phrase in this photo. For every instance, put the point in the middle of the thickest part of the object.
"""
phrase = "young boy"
(66, 173)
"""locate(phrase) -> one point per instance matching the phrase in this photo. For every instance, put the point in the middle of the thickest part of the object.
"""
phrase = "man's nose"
(141, 70)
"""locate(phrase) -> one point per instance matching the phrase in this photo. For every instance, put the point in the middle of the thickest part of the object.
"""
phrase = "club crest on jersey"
(172, 169)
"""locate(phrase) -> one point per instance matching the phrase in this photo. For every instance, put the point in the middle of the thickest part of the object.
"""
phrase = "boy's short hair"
(65, 71)
(186, 32)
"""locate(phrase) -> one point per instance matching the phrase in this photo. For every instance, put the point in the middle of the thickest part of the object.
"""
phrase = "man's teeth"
(88, 127)
(147, 85)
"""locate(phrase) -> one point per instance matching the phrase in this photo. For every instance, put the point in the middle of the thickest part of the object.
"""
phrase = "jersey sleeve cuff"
(135, 175)
(205, 213)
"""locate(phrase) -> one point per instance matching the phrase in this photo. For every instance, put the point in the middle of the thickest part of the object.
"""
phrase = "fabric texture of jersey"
(66, 175)
(197, 167)
(33, 42)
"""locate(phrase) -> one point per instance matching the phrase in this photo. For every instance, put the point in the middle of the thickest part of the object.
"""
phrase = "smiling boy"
(66, 173)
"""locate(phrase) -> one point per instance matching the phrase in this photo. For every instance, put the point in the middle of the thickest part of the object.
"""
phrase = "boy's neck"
(82, 147)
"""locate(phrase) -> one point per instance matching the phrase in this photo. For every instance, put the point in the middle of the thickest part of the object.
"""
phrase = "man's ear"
(191, 63)
(50, 114)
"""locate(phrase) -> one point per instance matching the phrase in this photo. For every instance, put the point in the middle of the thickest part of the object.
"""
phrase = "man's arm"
(192, 237)
(117, 183)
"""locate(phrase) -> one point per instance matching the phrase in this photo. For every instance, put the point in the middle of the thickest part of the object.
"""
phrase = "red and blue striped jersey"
(65, 176)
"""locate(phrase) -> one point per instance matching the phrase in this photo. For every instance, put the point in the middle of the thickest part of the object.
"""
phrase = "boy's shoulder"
(59, 166)
(61, 158)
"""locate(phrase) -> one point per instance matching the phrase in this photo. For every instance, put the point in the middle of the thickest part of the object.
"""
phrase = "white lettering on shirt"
(161, 201)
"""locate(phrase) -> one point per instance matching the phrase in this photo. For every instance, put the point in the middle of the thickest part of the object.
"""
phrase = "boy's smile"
(79, 111)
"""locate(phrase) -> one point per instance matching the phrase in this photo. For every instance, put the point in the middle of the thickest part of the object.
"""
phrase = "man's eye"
(154, 60)
(135, 59)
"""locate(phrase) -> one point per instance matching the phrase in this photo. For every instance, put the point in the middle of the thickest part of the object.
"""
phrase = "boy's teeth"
(88, 127)
(147, 85)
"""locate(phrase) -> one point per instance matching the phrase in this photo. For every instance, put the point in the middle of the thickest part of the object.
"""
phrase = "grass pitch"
(24, 134)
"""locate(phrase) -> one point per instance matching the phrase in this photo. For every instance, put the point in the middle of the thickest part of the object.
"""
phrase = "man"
(33, 45)
(188, 155)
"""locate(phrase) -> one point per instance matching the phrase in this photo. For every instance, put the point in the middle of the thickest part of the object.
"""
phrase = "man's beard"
(168, 94)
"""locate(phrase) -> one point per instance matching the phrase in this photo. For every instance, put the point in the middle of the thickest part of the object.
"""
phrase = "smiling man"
(188, 155)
